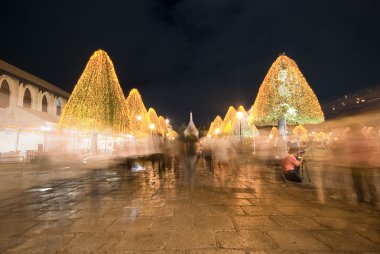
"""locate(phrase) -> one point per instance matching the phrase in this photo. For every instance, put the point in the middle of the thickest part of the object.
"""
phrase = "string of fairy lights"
(97, 104)
(284, 94)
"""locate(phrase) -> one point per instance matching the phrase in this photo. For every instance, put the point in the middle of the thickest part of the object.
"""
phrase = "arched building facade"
(23, 89)
(30, 109)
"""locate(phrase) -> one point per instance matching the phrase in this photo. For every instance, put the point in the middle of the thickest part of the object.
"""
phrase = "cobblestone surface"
(250, 209)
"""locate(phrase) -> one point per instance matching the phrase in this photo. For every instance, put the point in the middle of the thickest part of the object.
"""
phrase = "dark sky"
(199, 55)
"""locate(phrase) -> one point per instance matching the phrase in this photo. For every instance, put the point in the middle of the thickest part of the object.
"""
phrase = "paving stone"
(180, 222)
(90, 225)
(130, 224)
(297, 222)
(346, 240)
(143, 240)
(254, 240)
(191, 239)
(260, 223)
(226, 210)
(297, 240)
(261, 210)
(297, 210)
(218, 251)
(192, 209)
(214, 222)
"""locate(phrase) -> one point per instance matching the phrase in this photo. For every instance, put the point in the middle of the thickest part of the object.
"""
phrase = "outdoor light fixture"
(139, 117)
(151, 127)
(239, 115)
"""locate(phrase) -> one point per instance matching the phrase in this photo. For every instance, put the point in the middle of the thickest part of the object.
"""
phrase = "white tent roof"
(18, 117)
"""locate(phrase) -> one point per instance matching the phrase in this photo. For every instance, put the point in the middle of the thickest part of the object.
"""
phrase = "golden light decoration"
(320, 136)
(301, 133)
(97, 101)
(137, 115)
(215, 125)
(274, 133)
(171, 134)
(153, 119)
(242, 109)
(229, 122)
(285, 94)
(163, 124)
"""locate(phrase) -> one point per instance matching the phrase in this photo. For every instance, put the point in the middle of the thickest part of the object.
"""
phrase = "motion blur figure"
(360, 151)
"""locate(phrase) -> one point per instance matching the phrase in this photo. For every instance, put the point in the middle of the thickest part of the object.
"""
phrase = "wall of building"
(17, 92)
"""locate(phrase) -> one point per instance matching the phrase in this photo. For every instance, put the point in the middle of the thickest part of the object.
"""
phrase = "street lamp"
(217, 131)
(139, 118)
(239, 116)
(151, 127)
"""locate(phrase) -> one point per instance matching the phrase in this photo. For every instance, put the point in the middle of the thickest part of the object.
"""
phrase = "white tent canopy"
(23, 129)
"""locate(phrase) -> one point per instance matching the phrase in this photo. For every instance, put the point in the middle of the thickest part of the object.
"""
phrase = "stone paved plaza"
(246, 209)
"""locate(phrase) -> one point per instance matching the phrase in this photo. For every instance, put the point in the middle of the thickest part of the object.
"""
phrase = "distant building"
(20, 88)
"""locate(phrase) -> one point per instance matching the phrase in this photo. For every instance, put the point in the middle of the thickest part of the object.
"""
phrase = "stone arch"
(5, 94)
(24, 96)
(27, 98)
(44, 103)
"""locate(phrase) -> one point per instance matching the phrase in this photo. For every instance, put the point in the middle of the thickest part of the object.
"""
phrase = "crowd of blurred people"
(351, 158)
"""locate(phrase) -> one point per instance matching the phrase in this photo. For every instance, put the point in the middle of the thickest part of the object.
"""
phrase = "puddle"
(39, 189)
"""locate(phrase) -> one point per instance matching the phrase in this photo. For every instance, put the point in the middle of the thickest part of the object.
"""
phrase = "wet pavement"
(246, 209)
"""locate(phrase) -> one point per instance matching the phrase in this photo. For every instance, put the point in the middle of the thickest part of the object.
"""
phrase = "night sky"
(199, 55)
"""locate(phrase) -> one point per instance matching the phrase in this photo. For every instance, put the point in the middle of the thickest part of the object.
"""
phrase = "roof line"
(32, 79)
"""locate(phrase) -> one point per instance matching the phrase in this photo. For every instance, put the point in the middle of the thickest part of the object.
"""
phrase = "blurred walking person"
(360, 152)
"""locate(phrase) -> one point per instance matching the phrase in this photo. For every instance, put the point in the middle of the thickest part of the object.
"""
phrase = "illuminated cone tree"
(274, 133)
(285, 96)
(137, 114)
(163, 126)
(229, 124)
(215, 127)
(97, 102)
(153, 119)
(301, 133)
(246, 128)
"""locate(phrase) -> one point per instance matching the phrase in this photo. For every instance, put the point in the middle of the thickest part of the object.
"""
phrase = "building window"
(4, 94)
(58, 104)
(44, 104)
(27, 102)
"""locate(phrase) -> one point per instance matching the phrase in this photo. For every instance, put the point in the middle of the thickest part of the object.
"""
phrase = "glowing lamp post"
(151, 127)
(217, 131)
(239, 116)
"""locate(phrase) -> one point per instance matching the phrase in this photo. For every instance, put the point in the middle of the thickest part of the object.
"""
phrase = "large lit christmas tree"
(215, 127)
(285, 96)
(163, 125)
(229, 122)
(137, 114)
(97, 102)
(154, 122)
